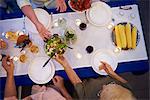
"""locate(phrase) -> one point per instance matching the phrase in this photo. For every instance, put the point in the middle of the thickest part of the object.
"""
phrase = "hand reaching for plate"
(106, 67)
(44, 33)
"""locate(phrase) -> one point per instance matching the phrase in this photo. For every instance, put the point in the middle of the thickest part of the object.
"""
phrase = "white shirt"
(36, 3)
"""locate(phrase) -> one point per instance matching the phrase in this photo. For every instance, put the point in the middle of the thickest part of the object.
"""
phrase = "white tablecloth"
(98, 37)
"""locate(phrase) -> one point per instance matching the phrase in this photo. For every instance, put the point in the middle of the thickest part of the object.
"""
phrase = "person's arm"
(59, 83)
(68, 69)
(29, 12)
(117, 77)
(110, 72)
(26, 8)
(10, 87)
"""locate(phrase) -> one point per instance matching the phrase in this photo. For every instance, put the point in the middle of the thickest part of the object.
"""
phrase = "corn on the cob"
(128, 35)
(122, 36)
(134, 35)
(118, 40)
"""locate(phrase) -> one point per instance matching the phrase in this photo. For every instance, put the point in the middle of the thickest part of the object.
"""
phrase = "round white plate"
(106, 56)
(99, 14)
(39, 74)
(43, 16)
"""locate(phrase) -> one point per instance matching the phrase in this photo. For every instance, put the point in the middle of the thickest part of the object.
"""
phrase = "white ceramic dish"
(39, 74)
(106, 56)
(99, 14)
(43, 16)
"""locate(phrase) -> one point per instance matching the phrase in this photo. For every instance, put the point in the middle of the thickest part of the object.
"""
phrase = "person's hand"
(8, 65)
(61, 59)
(106, 67)
(44, 33)
(61, 5)
(58, 82)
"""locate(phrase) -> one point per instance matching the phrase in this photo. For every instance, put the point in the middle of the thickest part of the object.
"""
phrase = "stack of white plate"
(43, 16)
(40, 74)
(99, 14)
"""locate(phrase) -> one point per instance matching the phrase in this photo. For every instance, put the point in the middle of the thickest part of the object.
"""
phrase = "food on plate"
(11, 36)
(3, 44)
(70, 36)
(122, 35)
(34, 49)
(23, 41)
(118, 40)
(23, 58)
(80, 5)
(125, 36)
(134, 35)
(55, 45)
(128, 35)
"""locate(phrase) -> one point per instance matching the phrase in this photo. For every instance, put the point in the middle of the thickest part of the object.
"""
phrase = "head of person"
(116, 92)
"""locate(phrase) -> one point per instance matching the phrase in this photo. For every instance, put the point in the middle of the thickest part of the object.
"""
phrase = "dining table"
(128, 61)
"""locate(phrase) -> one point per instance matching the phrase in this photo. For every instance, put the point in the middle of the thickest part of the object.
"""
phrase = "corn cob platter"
(125, 36)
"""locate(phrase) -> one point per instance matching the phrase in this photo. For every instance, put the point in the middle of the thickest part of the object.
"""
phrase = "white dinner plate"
(43, 16)
(99, 14)
(39, 74)
(106, 56)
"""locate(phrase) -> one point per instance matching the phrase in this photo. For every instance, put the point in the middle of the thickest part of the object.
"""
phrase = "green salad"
(55, 45)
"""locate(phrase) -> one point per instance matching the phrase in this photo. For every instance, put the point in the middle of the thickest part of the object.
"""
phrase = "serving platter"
(137, 38)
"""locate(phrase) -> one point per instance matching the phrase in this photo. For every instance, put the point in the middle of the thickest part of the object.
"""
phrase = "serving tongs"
(48, 60)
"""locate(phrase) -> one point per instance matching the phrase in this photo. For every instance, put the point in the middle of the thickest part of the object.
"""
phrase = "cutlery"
(125, 7)
(52, 20)
(24, 29)
(48, 60)
(69, 47)
(85, 13)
